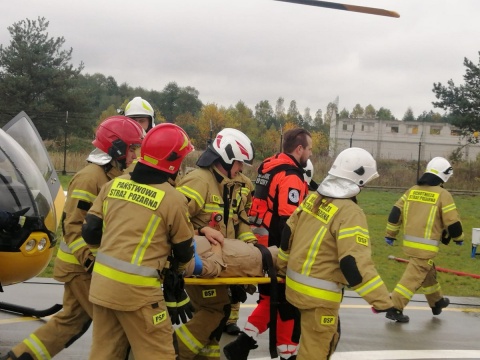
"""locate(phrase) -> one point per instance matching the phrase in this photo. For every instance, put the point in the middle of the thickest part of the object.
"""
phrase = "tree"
(318, 119)
(344, 114)
(280, 116)
(408, 116)
(462, 102)
(431, 117)
(174, 101)
(293, 115)
(357, 112)
(264, 114)
(307, 118)
(331, 114)
(384, 114)
(370, 112)
(36, 76)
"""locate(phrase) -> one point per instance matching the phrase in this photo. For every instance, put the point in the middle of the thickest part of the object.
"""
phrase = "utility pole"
(419, 152)
(281, 137)
(64, 172)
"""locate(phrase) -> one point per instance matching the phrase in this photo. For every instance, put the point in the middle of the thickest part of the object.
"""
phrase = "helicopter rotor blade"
(338, 6)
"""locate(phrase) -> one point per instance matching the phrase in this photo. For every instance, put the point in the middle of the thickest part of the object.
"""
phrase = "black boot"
(240, 347)
(231, 329)
(439, 305)
(396, 315)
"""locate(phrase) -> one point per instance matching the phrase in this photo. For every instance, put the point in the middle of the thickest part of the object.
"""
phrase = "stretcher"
(229, 281)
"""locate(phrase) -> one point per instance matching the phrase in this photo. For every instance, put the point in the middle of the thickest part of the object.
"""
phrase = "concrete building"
(405, 140)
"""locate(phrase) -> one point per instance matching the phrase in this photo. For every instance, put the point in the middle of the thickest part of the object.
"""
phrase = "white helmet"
(232, 144)
(139, 107)
(308, 171)
(441, 167)
(356, 165)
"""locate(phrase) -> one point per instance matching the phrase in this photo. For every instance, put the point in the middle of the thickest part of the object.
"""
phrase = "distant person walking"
(428, 215)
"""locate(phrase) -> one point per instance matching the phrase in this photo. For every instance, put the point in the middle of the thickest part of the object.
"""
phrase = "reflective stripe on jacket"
(425, 211)
(140, 224)
(82, 191)
(319, 241)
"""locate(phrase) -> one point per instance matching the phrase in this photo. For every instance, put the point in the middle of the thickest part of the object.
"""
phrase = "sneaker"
(397, 315)
(231, 329)
(439, 305)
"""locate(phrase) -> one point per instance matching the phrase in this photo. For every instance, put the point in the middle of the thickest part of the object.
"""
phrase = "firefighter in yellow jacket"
(428, 215)
(326, 246)
(219, 196)
(138, 220)
(116, 140)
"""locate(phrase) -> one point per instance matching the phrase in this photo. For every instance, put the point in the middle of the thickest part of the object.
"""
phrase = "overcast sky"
(254, 50)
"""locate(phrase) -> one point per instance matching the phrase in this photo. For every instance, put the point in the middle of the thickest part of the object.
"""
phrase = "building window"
(435, 130)
(394, 129)
(413, 130)
(455, 132)
(344, 127)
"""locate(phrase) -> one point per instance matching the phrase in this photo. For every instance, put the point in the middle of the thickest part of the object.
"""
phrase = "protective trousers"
(419, 273)
(148, 330)
(234, 313)
(64, 327)
(195, 338)
(320, 333)
(257, 323)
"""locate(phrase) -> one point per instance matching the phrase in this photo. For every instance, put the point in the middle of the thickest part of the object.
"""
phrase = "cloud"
(253, 50)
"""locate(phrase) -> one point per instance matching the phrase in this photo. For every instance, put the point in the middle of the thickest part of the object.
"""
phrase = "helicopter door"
(23, 131)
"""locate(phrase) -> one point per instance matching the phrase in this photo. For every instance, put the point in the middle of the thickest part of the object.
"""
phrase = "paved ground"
(365, 336)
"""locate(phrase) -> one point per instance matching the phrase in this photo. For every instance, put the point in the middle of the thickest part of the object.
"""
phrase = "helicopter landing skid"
(30, 311)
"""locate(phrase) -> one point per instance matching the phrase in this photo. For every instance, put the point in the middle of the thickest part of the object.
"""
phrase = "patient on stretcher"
(234, 258)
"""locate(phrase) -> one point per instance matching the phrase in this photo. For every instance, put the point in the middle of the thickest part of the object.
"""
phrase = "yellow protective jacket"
(325, 251)
(141, 223)
(204, 187)
(84, 187)
(425, 211)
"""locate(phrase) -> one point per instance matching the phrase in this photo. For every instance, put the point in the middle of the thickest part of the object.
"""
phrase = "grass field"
(377, 205)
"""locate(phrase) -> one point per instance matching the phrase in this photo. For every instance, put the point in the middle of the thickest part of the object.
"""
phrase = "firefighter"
(279, 189)
(326, 246)
(138, 220)
(428, 216)
(116, 140)
(218, 198)
(142, 112)
(233, 259)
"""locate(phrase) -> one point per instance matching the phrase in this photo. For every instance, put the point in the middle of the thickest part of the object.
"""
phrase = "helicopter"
(28, 180)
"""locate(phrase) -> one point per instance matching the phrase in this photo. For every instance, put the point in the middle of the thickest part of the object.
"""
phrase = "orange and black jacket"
(280, 178)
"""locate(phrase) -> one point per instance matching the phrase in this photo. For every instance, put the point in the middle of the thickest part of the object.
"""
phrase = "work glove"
(459, 243)
(389, 241)
(184, 306)
(446, 237)
(238, 293)
(176, 299)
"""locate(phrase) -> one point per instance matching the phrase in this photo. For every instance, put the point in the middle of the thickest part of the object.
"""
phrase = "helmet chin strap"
(227, 167)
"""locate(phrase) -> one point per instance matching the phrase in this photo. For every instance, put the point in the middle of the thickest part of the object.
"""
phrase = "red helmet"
(164, 147)
(116, 134)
